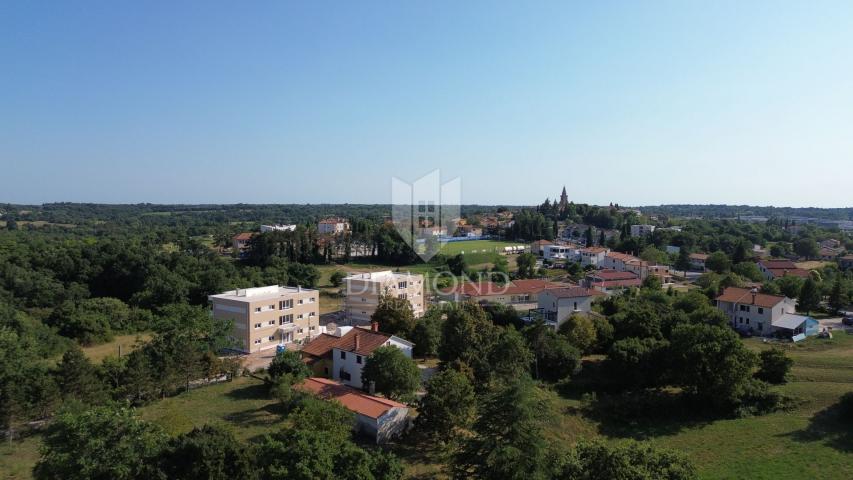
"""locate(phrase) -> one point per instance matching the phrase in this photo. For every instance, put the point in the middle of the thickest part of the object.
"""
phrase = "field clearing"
(812, 264)
(97, 353)
(477, 246)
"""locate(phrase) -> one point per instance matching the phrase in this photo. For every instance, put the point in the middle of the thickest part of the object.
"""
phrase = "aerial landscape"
(381, 241)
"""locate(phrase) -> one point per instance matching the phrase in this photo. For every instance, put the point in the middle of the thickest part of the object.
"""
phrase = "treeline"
(734, 211)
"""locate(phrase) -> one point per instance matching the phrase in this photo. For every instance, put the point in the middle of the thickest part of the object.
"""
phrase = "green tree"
(809, 298)
(102, 443)
(588, 237)
(509, 356)
(208, 452)
(683, 260)
(457, 264)
(526, 263)
(774, 366)
(508, 442)
(392, 373)
(467, 337)
(748, 270)
(712, 363)
(718, 262)
(838, 296)
(78, 379)
(789, 285)
(580, 332)
(806, 247)
(554, 357)
(426, 336)
(288, 362)
(633, 460)
(637, 362)
(337, 278)
(449, 404)
(394, 315)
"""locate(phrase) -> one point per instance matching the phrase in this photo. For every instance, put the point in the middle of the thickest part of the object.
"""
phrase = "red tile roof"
(621, 256)
(365, 339)
(699, 256)
(243, 236)
(515, 287)
(744, 296)
(594, 250)
(778, 264)
(573, 292)
(352, 399)
(606, 275)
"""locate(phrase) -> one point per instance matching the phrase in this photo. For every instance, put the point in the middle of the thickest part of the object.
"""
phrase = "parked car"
(847, 320)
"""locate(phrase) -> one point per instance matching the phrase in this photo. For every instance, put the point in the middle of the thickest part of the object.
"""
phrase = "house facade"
(343, 357)
(557, 304)
(697, 261)
(762, 313)
(240, 242)
(332, 225)
(266, 317)
(560, 253)
(520, 294)
(376, 417)
(772, 269)
(611, 281)
(642, 230)
(365, 290)
(593, 256)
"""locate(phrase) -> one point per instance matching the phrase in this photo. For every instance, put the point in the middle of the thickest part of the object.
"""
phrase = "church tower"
(564, 199)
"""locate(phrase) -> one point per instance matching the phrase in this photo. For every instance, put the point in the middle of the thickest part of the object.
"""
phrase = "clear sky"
(746, 102)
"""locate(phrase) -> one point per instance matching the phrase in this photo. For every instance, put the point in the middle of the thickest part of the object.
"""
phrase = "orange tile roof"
(621, 256)
(243, 236)
(593, 249)
(699, 256)
(352, 399)
(778, 264)
(744, 296)
(606, 275)
(368, 341)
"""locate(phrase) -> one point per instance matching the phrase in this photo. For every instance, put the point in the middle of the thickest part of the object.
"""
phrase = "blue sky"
(281, 102)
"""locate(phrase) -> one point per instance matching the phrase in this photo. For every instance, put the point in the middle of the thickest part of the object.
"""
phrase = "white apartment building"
(265, 317)
(642, 230)
(364, 291)
(277, 228)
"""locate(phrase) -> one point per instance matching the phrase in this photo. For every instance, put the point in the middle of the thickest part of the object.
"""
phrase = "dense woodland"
(123, 269)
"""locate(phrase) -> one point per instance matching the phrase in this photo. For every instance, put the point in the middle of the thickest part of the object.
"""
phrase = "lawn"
(477, 246)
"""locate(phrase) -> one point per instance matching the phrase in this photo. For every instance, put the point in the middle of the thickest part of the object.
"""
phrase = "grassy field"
(477, 246)
(97, 353)
(808, 441)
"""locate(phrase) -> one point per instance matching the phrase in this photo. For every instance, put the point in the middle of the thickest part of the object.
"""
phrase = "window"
(576, 305)
(285, 304)
(271, 338)
(271, 322)
(301, 301)
(311, 300)
(747, 321)
(257, 325)
(358, 359)
(300, 316)
(311, 314)
(283, 319)
(760, 326)
(401, 296)
(271, 307)
(343, 355)
(401, 285)
(300, 330)
(761, 311)
(257, 341)
(257, 309)
(345, 375)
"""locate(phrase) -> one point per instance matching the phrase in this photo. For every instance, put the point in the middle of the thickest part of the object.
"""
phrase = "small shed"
(790, 325)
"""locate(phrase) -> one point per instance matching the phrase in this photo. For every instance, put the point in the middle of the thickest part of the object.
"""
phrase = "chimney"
(754, 292)
(299, 288)
(371, 388)
(357, 342)
(374, 326)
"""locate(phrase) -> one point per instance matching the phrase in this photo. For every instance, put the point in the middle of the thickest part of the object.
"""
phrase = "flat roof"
(380, 275)
(260, 293)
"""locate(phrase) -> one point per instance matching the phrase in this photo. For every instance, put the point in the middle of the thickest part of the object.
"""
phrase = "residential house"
(538, 247)
(697, 261)
(830, 243)
(278, 228)
(829, 254)
(240, 242)
(560, 253)
(750, 310)
(611, 281)
(364, 290)
(642, 230)
(772, 269)
(333, 225)
(593, 256)
(265, 317)
(376, 417)
(557, 304)
(521, 294)
(343, 357)
(468, 231)
(643, 269)
(617, 261)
